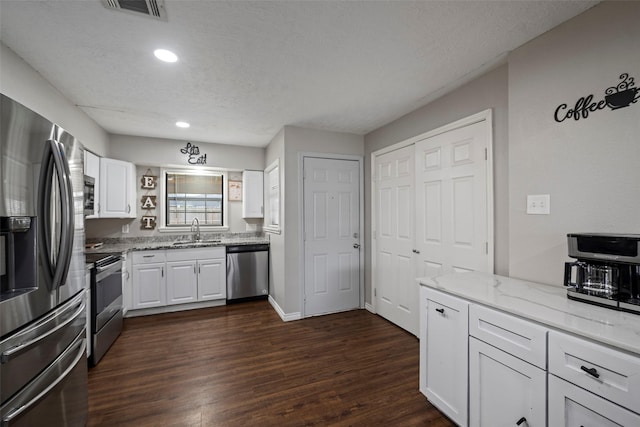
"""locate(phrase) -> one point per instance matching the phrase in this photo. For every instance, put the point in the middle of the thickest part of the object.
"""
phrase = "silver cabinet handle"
(148, 256)
(194, 269)
(128, 208)
(162, 271)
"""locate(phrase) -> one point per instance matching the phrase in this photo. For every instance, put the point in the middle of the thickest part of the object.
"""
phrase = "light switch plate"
(125, 228)
(538, 204)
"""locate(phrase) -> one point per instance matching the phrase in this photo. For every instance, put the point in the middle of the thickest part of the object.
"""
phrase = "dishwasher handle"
(247, 248)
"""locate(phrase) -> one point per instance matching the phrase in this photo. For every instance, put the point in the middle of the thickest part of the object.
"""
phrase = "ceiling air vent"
(152, 8)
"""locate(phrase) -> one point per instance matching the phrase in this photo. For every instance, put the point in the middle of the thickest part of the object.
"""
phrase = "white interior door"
(331, 235)
(452, 231)
(396, 290)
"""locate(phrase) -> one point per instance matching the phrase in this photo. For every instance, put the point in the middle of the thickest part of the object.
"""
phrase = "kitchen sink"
(196, 243)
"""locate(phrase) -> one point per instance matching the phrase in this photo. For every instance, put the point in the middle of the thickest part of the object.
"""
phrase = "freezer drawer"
(247, 271)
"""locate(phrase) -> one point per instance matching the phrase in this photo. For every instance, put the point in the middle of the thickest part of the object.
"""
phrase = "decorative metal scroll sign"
(193, 153)
(619, 96)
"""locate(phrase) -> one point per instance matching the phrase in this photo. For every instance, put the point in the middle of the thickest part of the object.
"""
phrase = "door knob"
(356, 246)
(415, 251)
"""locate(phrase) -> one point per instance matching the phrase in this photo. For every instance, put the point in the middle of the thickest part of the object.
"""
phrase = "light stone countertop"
(544, 304)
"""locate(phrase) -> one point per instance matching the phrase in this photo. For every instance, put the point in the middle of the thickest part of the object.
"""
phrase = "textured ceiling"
(246, 69)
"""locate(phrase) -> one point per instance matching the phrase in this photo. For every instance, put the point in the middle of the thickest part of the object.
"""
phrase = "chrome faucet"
(196, 236)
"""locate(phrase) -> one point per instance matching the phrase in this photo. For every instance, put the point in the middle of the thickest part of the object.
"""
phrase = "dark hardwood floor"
(240, 365)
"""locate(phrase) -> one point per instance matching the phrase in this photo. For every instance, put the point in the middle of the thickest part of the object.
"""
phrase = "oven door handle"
(12, 352)
(110, 266)
(6, 421)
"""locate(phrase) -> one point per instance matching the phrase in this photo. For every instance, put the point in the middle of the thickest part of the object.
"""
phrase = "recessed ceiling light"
(165, 55)
(182, 124)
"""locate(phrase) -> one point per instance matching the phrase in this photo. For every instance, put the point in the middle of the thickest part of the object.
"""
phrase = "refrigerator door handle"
(67, 209)
(54, 157)
(12, 352)
(44, 206)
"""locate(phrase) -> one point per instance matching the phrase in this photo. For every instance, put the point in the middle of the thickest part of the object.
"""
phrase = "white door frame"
(485, 115)
(301, 269)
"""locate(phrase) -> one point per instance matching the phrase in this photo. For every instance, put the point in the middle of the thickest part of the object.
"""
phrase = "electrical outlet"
(538, 204)
(125, 229)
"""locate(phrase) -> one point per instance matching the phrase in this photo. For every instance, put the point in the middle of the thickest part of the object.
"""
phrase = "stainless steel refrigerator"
(43, 366)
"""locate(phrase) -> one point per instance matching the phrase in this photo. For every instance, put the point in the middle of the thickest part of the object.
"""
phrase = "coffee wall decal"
(619, 96)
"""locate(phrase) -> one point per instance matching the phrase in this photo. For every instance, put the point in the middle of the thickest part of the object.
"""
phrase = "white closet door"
(452, 201)
(394, 280)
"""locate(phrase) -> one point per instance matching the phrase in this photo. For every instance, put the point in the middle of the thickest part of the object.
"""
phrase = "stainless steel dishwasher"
(247, 271)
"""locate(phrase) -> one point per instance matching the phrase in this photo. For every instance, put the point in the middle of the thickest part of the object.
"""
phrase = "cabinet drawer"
(614, 375)
(198, 253)
(523, 339)
(572, 406)
(148, 257)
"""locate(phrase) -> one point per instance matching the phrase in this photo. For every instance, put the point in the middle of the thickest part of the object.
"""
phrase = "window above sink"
(186, 194)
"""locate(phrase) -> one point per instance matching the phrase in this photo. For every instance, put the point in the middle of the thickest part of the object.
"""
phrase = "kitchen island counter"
(545, 304)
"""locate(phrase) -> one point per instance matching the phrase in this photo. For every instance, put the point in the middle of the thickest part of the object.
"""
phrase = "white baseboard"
(286, 317)
(369, 307)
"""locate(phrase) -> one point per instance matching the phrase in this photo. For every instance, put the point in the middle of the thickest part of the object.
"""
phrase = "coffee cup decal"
(622, 95)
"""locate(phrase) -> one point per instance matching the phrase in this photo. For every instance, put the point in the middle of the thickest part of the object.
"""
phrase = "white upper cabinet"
(117, 189)
(92, 169)
(252, 194)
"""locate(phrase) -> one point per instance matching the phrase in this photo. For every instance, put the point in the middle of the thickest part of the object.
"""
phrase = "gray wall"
(19, 81)
(487, 91)
(590, 167)
(273, 152)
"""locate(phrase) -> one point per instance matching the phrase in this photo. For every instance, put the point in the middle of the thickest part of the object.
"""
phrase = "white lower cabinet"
(178, 276)
(212, 278)
(149, 286)
(504, 390)
(182, 282)
(591, 384)
(572, 406)
(446, 340)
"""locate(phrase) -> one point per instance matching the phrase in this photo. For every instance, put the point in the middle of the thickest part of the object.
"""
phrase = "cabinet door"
(447, 351)
(572, 406)
(92, 169)
(182, 282)
(503, 389)
(117, 190)
(149, 286)
(212, 279)
(252, 194)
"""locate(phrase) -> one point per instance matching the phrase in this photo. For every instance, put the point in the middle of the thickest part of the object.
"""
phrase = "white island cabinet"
(534, 357)
(446, 362)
